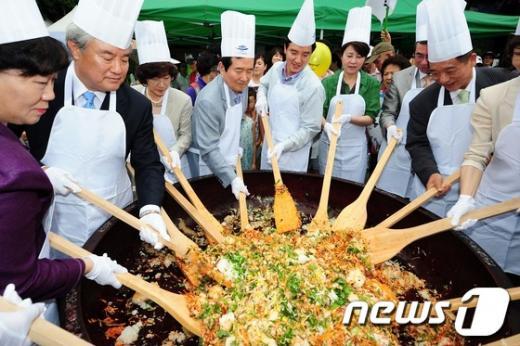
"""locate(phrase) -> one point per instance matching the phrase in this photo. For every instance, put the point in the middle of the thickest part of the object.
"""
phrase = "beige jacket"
(178, 110)
(493, 111)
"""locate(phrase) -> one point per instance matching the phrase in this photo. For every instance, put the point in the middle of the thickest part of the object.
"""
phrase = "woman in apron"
(30, 61)
(360, 95)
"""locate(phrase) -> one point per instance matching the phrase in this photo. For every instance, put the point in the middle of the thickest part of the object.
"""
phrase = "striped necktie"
(89, 97)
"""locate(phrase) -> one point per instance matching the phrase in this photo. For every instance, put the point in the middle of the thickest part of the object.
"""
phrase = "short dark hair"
(273, 52)
(360, 47)
(227, 61)
(41, 56)
(151, 70)
(397, 60)
(287, 42)
(421, 42)
(513, 43)
(260, 56)
(464, 58)
(205, 62)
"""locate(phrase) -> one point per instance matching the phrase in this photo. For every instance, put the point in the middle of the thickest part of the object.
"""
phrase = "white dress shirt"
(78, 88)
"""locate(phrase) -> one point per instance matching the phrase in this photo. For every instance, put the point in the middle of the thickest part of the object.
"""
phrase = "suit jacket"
(401, 83)
(25, 196)
(136, 111)
(421, 107)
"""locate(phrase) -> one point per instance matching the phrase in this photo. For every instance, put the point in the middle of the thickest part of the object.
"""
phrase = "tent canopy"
(198, 21)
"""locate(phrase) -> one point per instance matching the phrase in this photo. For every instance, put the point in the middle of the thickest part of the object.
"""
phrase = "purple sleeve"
(21, 239)
(192, 94)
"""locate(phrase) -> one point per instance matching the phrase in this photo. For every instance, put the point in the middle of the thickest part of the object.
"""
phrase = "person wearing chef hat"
(293, 95)
(408, 83)
(490, 172)
(360, 95)
(219, 107)
(94, 123)
(29, 61)
(439, 129)
(171, 107)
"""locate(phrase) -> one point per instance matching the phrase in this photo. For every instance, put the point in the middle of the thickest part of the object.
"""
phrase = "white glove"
(104, 270)
(150, 215)
(240, 152)
(464, 205)
(329, 128)
(392, 131)
(277, 151)
(176, 161)
(261, 106)
(14, 326)
(237, 186)
(62, 181)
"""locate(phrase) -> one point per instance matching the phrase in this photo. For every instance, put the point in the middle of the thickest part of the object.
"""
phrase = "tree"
(53, 10)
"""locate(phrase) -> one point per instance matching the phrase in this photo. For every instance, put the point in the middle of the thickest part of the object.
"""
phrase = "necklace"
(155, 103)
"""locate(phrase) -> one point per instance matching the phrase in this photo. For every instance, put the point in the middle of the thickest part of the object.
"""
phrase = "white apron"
(500, 236)
(229, 139)
(351, 158)
(449, 133)
(91, 145)
(397, 176)
(284, 120)
(163, 125)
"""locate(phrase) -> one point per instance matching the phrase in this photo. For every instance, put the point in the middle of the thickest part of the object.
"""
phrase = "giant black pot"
(450, 262)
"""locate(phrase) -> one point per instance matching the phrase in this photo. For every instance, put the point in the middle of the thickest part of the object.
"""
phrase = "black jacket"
(136, 111)
(421, 107)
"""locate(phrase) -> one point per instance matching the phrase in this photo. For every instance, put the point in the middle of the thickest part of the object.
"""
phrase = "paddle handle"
(270, 145)
(45, 333)
(510, 341)
(183, 243)
(321, 213)
(455, 303)
(242, 206)
(416, 203)
(374, 177)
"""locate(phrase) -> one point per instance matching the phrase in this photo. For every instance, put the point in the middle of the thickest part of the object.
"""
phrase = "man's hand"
(62, 181)
(464, 204)
(385, 36)
(436, 181)
(393, 131)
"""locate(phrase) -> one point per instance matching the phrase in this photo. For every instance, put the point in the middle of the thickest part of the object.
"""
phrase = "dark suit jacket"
(136, 112)
(421, 107)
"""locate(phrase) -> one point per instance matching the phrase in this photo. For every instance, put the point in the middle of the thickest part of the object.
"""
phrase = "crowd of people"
(84, 124)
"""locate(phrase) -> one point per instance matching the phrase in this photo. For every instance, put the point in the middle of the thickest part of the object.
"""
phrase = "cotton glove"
(464, 205)
(150, 215)
(277, 151)
(261, 105)
(392, 131)
(240, 152)
(176, 161)
(237, 186)
(14, 326)
(62, 181)
(104, 270)
(329, 128)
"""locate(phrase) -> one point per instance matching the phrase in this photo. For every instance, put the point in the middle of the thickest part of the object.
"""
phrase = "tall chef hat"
(111, 21)
(21, 20)
(238, 34)
(448, 32)
(421, 22)
(152, 45)
(359, 23)
(303, 30)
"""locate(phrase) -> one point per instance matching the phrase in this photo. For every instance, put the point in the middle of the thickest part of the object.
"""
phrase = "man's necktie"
(89, 97)
(463, 96)
(426, 81)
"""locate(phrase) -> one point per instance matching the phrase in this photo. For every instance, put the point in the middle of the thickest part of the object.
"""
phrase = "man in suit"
(92, 126)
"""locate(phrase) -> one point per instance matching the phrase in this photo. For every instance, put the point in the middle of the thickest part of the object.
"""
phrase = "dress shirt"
(78, 89)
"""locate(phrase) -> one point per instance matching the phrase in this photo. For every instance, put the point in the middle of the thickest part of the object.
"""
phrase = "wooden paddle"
(242, 205)
(45, 333)
(416, 203)
(510, 341)
(455, 303)
(195, 200)
(175, 304)
(354, 216)
(321, 219)
(286, 215)
(385, 243)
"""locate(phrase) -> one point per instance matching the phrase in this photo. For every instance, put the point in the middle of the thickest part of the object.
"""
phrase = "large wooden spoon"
(416, 203)
(455, 303)
(354, 216)
(242, 205)
(321, 219)
(45, 333)
(385, 243)
(286, 215)
(175, 304)
(195, 200)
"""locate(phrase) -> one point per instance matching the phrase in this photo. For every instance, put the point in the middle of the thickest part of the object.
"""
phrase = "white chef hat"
(303, 30)
(111, 21)
(448, 32)
(21, 20)
(152, 45)
(517, 31)
(421, 22)
(359, 23)
(238, 34)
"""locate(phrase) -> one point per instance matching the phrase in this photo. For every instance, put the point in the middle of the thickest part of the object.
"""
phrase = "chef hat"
(111, 21)
(421, 23)
(21, 20)
(152, 45)
(448, 32)
(517, 31)
(359, 23)
(238, 34)
(303, 30)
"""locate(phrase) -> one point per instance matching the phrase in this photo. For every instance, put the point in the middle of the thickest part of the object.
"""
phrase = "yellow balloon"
(320, 59)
